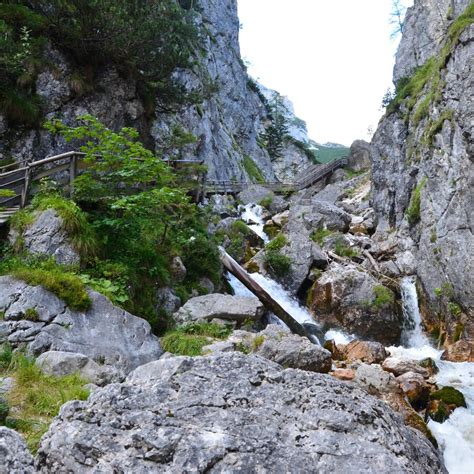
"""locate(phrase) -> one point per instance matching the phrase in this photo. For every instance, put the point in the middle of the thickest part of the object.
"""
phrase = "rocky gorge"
(204, 377)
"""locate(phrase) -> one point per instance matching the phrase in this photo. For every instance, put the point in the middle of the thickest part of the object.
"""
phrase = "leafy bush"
(414, 209)
(190, 339)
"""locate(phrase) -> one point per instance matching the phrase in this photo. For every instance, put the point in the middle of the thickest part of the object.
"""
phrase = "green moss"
(413, 213)
(252, 169)
(450, 396)
(416, 422)
(271, 230)
(241, 227)
(277, 243)
(190, 339)
(320, 235)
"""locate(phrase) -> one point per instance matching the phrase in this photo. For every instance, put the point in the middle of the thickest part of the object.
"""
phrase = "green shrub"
(277, 243)
(31, 314)
(413, 212)
(278, 263)
(383, 296)
(252, 169)
(190, 339)
(241, 227)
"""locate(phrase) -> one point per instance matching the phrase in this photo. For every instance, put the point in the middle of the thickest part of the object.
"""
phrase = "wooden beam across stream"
(268, 301)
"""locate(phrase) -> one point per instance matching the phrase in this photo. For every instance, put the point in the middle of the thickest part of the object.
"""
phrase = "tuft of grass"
(343, 250)
(75, 222)
(36, 397)
(257, 342)
(190, 339)
(413, 213)
(383, 296)
(241, 227)
(252, 169)
(65, 284)
(266, 202)
(320, 234)
(278, 263)
(31, 314)
(277, 243)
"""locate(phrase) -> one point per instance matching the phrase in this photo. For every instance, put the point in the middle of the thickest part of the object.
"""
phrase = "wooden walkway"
(19, 178)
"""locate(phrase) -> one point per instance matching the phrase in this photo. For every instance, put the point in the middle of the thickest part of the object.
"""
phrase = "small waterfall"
(455, 435)
(252, 214)
(413, 335)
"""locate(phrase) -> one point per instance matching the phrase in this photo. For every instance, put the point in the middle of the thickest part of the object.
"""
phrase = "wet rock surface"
(231, 413)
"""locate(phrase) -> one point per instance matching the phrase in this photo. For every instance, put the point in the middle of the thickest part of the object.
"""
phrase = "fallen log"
(233, 267)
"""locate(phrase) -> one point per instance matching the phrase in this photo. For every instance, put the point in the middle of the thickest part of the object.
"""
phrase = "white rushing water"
(456, 435)
(252, 216)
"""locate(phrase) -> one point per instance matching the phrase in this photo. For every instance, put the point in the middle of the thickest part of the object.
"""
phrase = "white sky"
(332, 58)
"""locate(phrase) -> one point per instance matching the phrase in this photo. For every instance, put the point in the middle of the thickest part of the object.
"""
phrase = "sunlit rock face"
(427, 146)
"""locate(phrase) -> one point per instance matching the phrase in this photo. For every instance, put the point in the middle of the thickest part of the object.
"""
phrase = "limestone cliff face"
(426, 148)
(227, 123)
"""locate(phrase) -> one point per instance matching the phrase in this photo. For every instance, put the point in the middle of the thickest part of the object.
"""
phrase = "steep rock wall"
(227, 123)
(425, 147)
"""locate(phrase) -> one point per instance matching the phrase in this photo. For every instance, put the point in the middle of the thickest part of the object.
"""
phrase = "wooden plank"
(233, 267)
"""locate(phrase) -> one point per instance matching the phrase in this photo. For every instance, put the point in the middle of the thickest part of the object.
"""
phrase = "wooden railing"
(18, 177)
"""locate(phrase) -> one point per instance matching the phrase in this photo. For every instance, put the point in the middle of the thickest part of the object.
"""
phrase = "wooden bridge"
(19, 177)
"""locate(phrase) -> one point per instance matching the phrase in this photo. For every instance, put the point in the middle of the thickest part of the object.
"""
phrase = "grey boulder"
(231, 413)
(65, 363)
(46, 236)
(14, 455)
(104, 333)
(223, 307)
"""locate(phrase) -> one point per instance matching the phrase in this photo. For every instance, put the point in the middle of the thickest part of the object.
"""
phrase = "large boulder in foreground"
(217, 306)
(46, 236)
(39, 320)
(14, 455)
(354, 300)
(231, 413)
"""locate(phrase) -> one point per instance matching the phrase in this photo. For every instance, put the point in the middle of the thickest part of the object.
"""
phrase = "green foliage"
(36, 397)
(343, 250)
(241, 227)
(51, 276)
(190, 339)
(277, 243)
(143, 217)
(383, 296)
(410, 90)
(145, 41)
(458, 331)
(413, 212)
(326, 154)
(252, 170)
(450, 396)
(319, 235)
(266, 202)
(454, 309)
(31, 314)
(275, 134)
(277, 263)
(257, 342)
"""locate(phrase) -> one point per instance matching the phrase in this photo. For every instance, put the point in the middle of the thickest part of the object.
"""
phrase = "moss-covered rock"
(450, 396)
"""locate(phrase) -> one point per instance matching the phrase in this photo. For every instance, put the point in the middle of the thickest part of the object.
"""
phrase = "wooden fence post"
(72, 174)
(25, 190)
